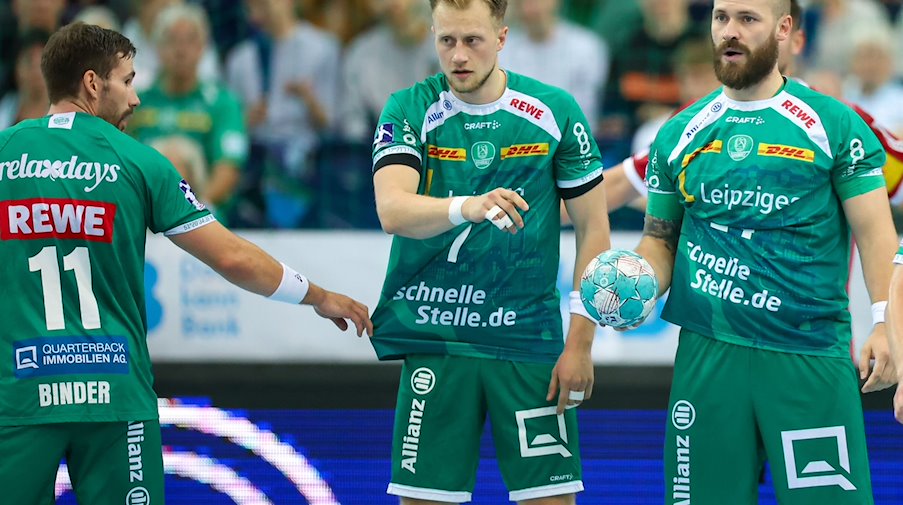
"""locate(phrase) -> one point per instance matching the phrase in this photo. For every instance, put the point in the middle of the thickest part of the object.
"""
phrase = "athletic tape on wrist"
(293, 287)
(878, 309)
(576, 306)
(454, 210)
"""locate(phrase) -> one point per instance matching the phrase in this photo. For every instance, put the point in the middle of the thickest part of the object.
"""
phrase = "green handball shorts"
(109, 463)
(734, 407)
(442, 406)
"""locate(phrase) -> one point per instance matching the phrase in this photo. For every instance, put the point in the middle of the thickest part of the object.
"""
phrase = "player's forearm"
(413, 216)
(222, 184)
(660, 257)
(592, 239)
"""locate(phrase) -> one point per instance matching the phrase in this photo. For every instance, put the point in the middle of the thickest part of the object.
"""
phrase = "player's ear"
(92, 83)
(503, 37)
(784, 28)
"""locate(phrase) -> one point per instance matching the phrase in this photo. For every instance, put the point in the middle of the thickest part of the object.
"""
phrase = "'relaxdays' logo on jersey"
(90, 171)
(447, 153)
(791, 152)
(519, 150)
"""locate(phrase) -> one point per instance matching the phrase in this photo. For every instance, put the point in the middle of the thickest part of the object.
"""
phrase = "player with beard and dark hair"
(625, 183)
(753, 194)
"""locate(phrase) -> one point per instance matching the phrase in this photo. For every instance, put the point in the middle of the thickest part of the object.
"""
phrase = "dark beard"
(759, 64)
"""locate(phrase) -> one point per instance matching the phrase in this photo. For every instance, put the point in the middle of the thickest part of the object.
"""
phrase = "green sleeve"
(859, 159)
(174, 208)
(663, 201)
(578, 162)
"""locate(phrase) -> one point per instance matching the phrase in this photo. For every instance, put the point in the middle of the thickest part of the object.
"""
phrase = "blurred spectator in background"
(29, 97)
(695, 79)
(181, 103)
(557, 52)
(393, 55)
(187, 156)
(287, 78)
(617, 21)
(642, 83)
(21, 16)
(98, 15)
(140, 28)
(836, 23)
(345, 19)
(871, 83)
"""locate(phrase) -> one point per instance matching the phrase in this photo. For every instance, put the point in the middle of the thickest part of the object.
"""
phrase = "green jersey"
(764, 250)
(474, 290)
(76, 199)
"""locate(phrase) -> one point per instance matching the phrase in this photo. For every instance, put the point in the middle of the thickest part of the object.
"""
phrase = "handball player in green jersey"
(754, 193)
(77, 197)
(469, 168)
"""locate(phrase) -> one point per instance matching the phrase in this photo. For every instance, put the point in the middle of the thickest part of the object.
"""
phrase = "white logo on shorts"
(818, 473)
(683, 415)
(138, 496)
(543, 444)
(422, 380)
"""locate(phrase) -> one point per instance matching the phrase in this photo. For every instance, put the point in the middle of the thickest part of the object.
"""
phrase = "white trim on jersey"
(397, 149)
(449, 105)
(703, 119)
(190, 225)
(439, 112)
(575, 183)
(546, 119)
(546, 491)
(421, 493)
(805, 119)
(633, 177)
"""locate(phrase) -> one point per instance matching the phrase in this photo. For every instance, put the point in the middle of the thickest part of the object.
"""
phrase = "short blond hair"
(497, 8)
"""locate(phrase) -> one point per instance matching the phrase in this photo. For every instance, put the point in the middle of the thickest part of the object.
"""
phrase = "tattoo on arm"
(663, 229)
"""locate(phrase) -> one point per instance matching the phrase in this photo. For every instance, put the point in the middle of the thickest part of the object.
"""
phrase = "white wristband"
(577, 307)
(293, 287)
(454, 210)
(878, 309)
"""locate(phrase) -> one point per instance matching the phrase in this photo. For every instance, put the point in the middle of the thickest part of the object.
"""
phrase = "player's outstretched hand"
(499, 206)
(337, 308)
(898, 403)
(883, 373)
(572, 379)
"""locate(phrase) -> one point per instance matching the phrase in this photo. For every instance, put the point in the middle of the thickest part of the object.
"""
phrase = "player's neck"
(71, 105)
(764, 89)
(490, 91)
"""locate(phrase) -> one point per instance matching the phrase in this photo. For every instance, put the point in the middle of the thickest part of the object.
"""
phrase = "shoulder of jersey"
(682, 117)
(822, 103)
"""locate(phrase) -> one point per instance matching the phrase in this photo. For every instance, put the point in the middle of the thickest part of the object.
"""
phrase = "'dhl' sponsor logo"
(793, 153)
(525, 150)
(447, 153)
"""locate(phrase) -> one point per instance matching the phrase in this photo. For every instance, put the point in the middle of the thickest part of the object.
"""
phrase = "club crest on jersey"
(190, 196)
(739, 147)
(483, 154)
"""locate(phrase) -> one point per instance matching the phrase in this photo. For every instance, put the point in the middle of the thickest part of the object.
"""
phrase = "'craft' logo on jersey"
(447, 153)
(790, 152)
(525, 150)
(739, 147)
(757, 120)
(423, 380)
(683, 415)
(483, 154)
(492, 125)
